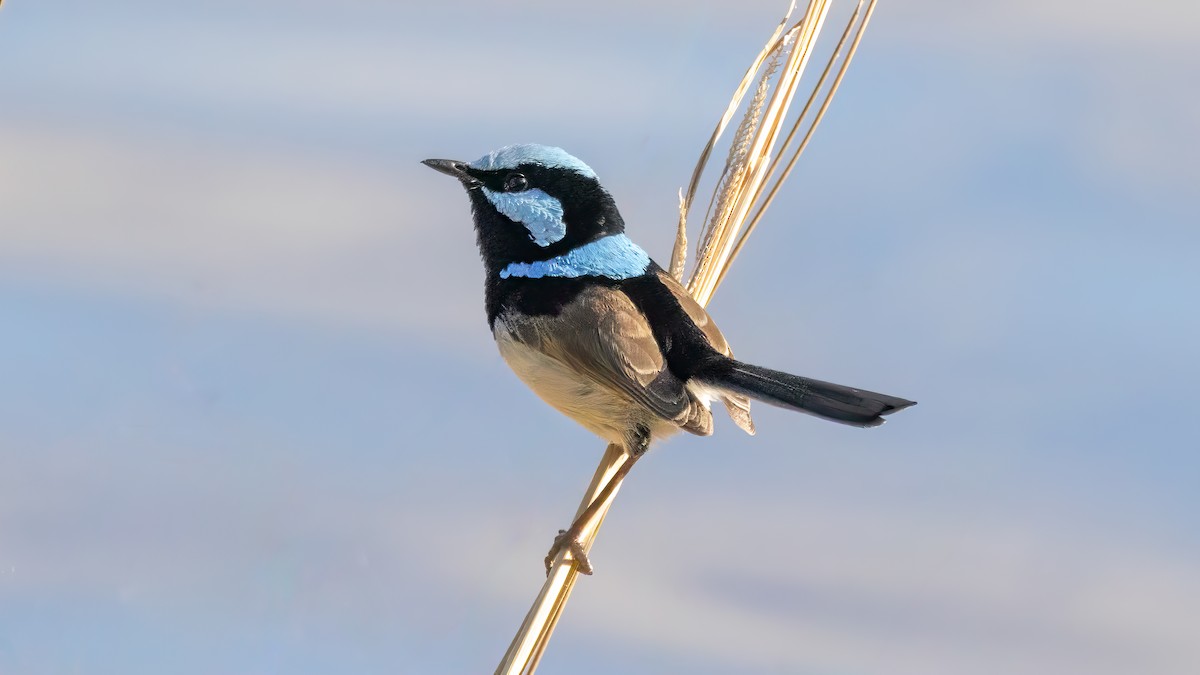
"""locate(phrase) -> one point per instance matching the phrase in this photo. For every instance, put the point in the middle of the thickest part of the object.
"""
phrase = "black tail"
(835, 402)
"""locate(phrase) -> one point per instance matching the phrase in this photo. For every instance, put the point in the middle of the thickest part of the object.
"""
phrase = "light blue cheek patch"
(540, 213)
(614, 256)
(512, 156)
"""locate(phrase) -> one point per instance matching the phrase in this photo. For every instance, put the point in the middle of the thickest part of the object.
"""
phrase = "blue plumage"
(540, 213)
(615, 257)
(512, 156)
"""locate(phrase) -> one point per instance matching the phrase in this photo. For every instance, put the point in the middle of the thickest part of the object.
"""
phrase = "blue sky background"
(251, 419)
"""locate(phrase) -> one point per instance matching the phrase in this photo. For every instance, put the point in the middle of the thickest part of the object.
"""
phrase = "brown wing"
(738, 406)
(603, 335)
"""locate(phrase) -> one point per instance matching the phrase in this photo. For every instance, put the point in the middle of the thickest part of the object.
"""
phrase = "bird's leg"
(636, 445)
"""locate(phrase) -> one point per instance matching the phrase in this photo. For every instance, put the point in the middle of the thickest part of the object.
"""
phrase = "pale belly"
(598, 408)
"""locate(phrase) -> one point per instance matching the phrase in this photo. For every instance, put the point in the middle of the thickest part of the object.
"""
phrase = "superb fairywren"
(601, 332)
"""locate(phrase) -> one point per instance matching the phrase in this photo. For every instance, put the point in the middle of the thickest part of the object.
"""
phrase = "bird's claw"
(570, 541)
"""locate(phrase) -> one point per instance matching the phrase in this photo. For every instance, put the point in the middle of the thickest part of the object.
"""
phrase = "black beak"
(452, 167)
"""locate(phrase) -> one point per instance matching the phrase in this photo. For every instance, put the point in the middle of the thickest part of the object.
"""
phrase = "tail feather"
(856, 407)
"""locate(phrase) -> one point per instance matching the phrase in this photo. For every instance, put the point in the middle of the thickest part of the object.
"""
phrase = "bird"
(602, 333)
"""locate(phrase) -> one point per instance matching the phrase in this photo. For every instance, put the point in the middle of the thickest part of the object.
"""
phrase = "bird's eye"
(515, 182)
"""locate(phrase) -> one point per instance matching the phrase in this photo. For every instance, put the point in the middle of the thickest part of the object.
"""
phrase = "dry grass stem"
(679, 250)
(738, 93)
(745, 182)
(854, 31)
(527, 647)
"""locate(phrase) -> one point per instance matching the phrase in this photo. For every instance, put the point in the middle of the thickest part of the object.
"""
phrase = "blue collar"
(614, 257)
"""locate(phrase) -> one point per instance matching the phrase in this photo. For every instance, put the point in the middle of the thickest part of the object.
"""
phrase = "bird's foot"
(636, 444)
(569, 540)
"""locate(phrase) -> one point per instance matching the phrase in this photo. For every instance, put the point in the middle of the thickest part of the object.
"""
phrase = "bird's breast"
(597, 407)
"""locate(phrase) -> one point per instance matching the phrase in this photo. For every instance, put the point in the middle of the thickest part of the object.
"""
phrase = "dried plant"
(748, 183)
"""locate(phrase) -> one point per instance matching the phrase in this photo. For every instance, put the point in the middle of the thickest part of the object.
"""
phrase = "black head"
(532, 202)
